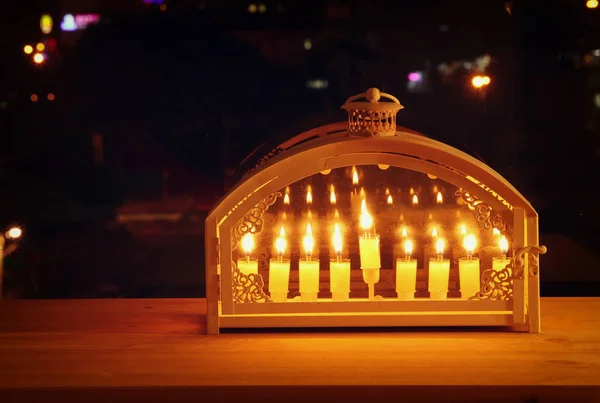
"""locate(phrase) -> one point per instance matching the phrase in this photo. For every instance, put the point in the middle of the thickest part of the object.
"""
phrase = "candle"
(390, 201)
(499, 263)
(439, 199)
(339, 270)
(406, 273)
(370, 259)
(286, 199)
(309, 270)
(415, 200)
(248, 265)
(279, 271)
(354, 176)
(332, 198)
(309, 195)
(439, 273)
(468, 270)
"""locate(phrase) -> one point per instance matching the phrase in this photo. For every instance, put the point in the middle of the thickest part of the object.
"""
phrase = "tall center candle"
(468, 270)
(406, 273)
(370, 258)
(309, 270)
(279, 271)
(439, 273)
(339, 270)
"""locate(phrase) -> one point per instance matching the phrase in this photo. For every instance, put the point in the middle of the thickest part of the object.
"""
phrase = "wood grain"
(65, 344)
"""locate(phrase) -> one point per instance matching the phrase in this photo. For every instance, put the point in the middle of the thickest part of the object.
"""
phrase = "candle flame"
(463, 230)
(366, 221)
(309, 195)
(503, 245)
(309, 215)
(362, 193)
(439, 246)
(434, 233)
(280, 242)
(284, 216)
(309, 241)
(470, 243)
(336, 214)
(390, 200)
(435, 189)
(286, 199)
(408, 247)
(404, 232)
(337, 240)
(412, 191)
(430, 217)
(415, 200)
(387, 191)
(248, 243)
(332, 198)
(354, 176)
(439, 198)
(496, 232)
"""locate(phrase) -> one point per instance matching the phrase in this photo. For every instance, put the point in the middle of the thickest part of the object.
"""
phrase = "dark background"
(156, 105)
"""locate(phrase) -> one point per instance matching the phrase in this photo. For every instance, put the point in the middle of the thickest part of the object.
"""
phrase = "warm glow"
(332, 198)
(38, 58)
(412, 191)
(390, 200)
(309, 215)
(14, 233)
(470, 243)
(480, 81)
(486, 80)
(404, 232)
(354, 176)
(434, 233)
(503, 245)
(366, 221)
(387, 191)
(435, 189)
(383, 167)
(284, 216)
(439, 199)
(496, 232)
(280, 242)
(337, 240)
(252, 8)
(463, 230)
(286, 199)
(28, 49)
(33, 97)
(439, 246)
(408, 247)
(415, 200)
(51, 97)
(591, 4)
(163, 7)
(309, 241)
(309, 196)
(40, 47)
(336, 215)
(362, 193)
(248, 243)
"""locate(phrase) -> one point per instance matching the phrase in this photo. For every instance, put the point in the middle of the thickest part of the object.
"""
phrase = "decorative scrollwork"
(248, 288)
(486, 217)
(498, 284)
(252, 222)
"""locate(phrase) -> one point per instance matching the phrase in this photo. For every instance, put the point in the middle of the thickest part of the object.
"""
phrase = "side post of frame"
(533, 278)
(519, 281)
(212, 276)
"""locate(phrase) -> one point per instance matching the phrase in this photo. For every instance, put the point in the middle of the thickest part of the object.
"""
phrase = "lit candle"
(332, 198)
(435, 189)
(279, 271)
(354, 176)
(463, 230)
(339, 270)
(248, 265)
(370, 259)
(286, 199)
(406, 273)
(434, 233)
(468, 270)
(439, 199)
(496, 232)
(499, 263)
(309, 270)
(439, 273)
(390, 201)
(309, 195)
(404, 233)
(415, 200)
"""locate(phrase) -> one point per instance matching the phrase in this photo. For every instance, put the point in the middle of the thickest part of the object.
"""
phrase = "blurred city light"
(591, 4)
(262, 8)
(38, 58)
(34, 98)
(50, 97)
(597, 100)
(252, 8)
(307, 44)
(415, 76)
(28, 49)
(40, 47)
(14, 233)
(46, 24)
(480, 81)
(163, 7)
(317, 84)
(68, 23)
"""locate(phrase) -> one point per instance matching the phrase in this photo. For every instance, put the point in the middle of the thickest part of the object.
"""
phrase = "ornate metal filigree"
(486, 217)
(489, 190)
(498, 284)
(252, 222)
(248, 288)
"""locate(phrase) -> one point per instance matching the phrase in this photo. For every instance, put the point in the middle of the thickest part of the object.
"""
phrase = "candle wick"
(469, 257)
(407, 258)
(247, 258)
(503, 256)
(338, 258)
(280, 258)
(440, 257)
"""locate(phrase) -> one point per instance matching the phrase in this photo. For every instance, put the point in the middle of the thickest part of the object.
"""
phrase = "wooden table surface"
(129, 348)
